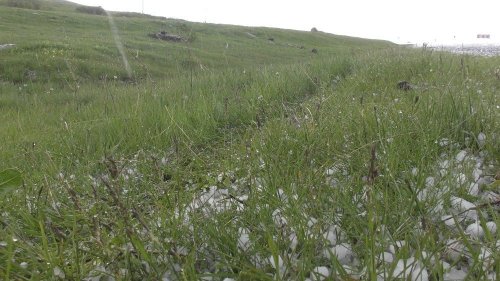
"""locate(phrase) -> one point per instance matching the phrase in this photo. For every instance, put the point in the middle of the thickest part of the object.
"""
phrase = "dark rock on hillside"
(404, 85)
(163, 35)
(314, 29)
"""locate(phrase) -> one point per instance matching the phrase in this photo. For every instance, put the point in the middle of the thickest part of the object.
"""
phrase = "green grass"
(111, 164)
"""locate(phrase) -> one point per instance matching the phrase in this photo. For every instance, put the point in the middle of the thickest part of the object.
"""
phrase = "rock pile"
(163, 35)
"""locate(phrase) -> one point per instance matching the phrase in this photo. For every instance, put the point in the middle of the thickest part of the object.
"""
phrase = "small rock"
(429, 182)
(474, 189)
(332, 235)
(461, 156)
(322, 272)
(244, 240)
(475, 230)
(461, 179)
(273, 263)
(449, 221)
(59, 273)
(343, 252)
(23, 265)
(404, 85)
(492, 227)
(454, 275)
(476, 173)
(460, 206)
(454, 251)
(481, 139)
(387, 257)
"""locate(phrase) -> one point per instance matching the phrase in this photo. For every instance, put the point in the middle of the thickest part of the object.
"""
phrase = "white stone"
(454, 275)
(59, 273)
(461, 179)
(474, 189)
(414, 171)
(244, 240)
(293, 241)
(444, 142)
(322, 272)
(330, 172)
(475, 230)
(23, 265)
(279, 219)
(477, 173)
(343, 252)
(486, 259)
(492, 227)
(454, 251)
(411, 268)
(445, 164)
(387, 257)
(273, 263)
(429, 182)
(481, 139)
(229, 279)
(461, 156)
(460, 205)
(332, 235)
(419, 273)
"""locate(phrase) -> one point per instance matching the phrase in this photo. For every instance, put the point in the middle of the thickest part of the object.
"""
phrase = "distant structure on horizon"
(483, 36)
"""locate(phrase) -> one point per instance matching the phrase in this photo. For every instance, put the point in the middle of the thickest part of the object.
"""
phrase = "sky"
(436, 22)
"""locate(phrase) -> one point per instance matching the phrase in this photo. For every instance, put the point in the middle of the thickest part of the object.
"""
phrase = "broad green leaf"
(10, 179)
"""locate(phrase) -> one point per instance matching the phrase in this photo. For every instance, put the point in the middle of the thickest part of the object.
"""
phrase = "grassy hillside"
(62, 45)
(230, 156)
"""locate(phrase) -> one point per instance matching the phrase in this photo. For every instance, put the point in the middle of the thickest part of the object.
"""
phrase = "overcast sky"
(416, 21)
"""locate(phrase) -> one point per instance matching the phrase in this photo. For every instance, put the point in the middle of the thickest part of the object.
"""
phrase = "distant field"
(239, 153)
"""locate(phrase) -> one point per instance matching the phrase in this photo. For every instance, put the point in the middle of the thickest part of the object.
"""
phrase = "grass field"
(240, 154)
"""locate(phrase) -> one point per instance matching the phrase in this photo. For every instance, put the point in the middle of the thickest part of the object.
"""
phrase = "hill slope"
(59, 43)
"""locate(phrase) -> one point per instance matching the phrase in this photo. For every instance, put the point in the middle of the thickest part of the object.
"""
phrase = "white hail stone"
(492, 227)
(474, 189)
(477, 173)
(278, 218)
(461, 179)
(414, 171)
(460, 206)
(454, 251)
(481, 139)
(429, 182)
(59, 273)
(273, 263)
(454, 275)
(244, 239)
(485, 257)
(411, 268)
(475, 230)
(293, 241)
(450, 222)
(343, 252)
(332, 235)
(461, 156)
(322, 272)
(445, 164)
(387, 257)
